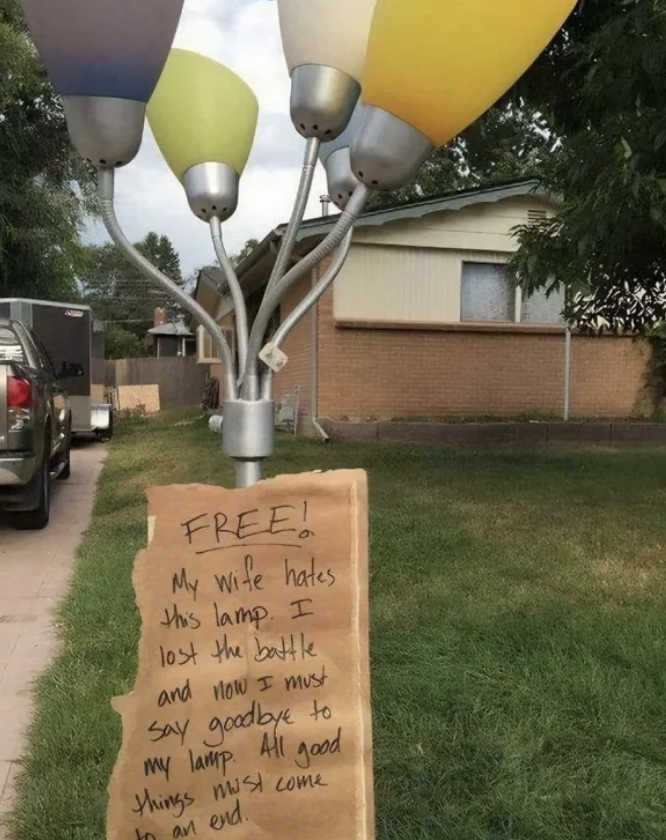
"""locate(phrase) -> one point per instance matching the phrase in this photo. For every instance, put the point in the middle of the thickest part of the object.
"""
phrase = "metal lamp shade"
(433, 68)
(204, 117)
(324, 43)
(101, 48)
(438, 66)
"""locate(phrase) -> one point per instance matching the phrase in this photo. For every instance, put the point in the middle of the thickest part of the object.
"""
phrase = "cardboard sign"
(250, 715)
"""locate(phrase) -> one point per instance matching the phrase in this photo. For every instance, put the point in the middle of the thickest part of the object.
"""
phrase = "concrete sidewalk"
(34, 571)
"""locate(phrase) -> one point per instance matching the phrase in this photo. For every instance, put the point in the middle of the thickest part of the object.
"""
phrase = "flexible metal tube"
(240, 309)
(272, 299)
(315, 294)
(105, 187)
(312, 147)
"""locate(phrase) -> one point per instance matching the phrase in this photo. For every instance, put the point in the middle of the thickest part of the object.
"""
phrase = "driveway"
(34, 571)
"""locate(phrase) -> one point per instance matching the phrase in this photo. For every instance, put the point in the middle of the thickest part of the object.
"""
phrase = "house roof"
(209, 291)
(312, 231)
(179, 329)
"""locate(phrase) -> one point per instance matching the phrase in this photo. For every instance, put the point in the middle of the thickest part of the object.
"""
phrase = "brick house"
(423, 322)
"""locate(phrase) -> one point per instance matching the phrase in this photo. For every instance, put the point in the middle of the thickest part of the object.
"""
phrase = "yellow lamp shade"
(202, 112)
(438, 65)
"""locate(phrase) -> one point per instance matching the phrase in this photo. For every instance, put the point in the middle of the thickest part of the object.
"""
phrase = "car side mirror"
(70, 370)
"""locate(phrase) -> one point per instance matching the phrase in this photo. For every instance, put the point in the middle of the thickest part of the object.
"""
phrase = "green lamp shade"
(202, 112)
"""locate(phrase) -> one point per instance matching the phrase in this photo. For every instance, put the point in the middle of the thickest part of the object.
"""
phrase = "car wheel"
(37, 519)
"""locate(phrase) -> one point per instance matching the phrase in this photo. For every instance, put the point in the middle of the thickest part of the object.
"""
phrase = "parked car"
(35, 425)
(71, 331)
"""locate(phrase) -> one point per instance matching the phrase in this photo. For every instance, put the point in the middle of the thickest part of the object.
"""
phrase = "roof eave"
(417, 210)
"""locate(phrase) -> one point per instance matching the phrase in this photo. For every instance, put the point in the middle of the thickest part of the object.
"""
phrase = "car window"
(10, 346)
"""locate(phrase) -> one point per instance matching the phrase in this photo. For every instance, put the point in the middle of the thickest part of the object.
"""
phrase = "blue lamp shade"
(104, 48)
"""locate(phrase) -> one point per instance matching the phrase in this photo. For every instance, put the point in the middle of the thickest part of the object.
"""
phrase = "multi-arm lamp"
(424, 71)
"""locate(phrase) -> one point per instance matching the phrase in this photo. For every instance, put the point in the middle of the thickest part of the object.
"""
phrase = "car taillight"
(19, 392)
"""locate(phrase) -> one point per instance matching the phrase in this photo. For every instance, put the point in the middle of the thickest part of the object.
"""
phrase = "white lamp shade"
(345, 139)
(104, 48)
(332, 33)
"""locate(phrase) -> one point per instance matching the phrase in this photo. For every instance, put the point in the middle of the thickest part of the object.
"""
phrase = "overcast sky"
(244, 35)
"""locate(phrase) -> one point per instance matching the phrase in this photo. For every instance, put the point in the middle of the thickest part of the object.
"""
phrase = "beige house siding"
(389, 283)
(411, 271)
(387, 341)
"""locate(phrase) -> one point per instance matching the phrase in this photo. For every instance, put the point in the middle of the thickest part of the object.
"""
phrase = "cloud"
(244, 35)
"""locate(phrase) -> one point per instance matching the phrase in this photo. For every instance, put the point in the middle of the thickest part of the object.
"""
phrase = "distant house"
(170, 338)
(423, 321)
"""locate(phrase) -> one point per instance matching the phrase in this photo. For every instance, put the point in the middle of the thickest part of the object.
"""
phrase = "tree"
(121, 343)
(123, 298)
(45, 187)
(602, 88)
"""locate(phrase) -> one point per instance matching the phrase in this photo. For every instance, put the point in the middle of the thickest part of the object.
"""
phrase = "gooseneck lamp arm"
(105, 189)
(315, 294)
(237, 297)
(250, 385)
(312, 147)
(297, 314)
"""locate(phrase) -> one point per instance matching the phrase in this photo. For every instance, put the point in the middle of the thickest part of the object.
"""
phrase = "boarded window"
(539, 309)
(487, 293)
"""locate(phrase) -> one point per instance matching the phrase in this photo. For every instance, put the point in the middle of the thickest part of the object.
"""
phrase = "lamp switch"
(273, 357)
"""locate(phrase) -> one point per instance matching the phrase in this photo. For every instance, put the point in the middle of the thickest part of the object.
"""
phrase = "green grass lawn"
(518, 639)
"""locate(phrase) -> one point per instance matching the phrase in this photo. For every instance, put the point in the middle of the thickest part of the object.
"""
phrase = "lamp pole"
(114, 65)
